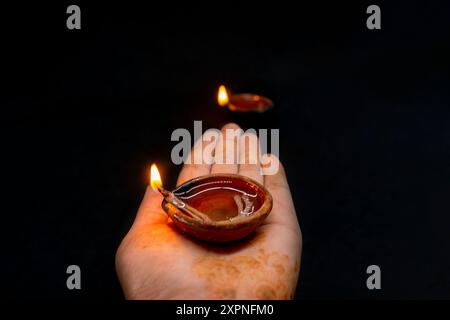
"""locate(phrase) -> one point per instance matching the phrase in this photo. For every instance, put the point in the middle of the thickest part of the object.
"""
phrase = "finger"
(150, 211)
(227, 148)
(201, 157)
(249, 164)
(283, 211)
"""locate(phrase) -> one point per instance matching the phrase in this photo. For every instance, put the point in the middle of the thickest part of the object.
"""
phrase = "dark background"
(363, 115)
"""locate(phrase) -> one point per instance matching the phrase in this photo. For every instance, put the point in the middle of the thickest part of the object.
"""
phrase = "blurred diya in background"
(215, 207)
(243, 102)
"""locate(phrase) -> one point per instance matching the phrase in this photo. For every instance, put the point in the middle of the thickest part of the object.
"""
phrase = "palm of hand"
(156, 261)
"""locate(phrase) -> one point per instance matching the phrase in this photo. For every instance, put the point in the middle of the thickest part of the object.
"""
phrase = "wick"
(164, 192)
(184, 207)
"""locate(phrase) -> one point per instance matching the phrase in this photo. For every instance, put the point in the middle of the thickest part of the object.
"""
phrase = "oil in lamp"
(243, 102)
(215, 207)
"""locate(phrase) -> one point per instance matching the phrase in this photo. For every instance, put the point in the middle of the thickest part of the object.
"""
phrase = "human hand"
(156, 261)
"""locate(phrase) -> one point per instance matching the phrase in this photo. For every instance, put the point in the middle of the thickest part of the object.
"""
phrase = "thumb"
(150, 211)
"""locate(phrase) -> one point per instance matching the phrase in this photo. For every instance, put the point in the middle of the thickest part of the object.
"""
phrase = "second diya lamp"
(243, 102)
(215, 207)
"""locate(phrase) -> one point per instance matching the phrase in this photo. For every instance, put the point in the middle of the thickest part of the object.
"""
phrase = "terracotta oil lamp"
(215, 207)
(243, 102)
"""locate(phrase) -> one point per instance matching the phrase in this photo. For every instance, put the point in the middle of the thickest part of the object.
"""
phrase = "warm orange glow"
(222, 96)
(155, 178)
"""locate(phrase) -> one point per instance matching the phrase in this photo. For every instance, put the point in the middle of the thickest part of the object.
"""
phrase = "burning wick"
(243, 102)
(222, 96)
(156, 184)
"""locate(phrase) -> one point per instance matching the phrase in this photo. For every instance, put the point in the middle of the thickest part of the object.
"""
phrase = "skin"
(156, 261)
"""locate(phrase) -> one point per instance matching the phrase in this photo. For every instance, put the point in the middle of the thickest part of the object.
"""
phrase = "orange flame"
(222, 96)
(155, 178)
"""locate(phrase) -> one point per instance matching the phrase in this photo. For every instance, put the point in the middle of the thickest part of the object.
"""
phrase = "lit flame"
(222, 96)
(155, 177)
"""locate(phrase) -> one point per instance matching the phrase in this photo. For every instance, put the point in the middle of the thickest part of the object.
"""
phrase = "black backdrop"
(363, 117)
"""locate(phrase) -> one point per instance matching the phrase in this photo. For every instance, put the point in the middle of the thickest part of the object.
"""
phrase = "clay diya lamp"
(217, 207)
(243, 102)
